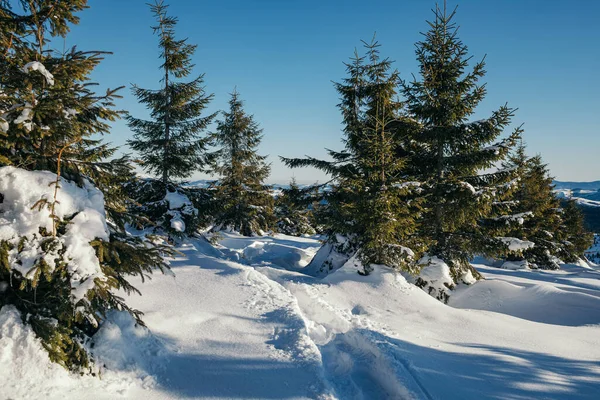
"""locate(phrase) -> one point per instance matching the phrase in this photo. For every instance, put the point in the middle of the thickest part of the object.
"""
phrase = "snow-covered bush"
(64, 250)
(60, 259)
(171, 210)
(435, 278)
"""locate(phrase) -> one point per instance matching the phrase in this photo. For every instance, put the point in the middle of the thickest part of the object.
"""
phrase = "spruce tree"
(369, 210)
(243, 203)
(576, 239)
(171, 144)
(293, 211)
(50, 118)
(454, 153)
(556, 231)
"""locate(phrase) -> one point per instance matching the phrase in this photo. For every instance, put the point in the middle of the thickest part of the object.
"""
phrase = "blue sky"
(543, 57)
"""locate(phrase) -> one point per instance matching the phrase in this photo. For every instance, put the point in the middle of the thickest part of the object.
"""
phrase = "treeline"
(416, 185)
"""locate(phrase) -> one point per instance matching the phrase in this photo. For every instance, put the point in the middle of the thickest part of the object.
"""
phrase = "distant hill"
(587, 196)
(595, 185)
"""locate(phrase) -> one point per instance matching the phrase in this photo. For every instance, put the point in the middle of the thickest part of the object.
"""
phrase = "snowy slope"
(243, 321)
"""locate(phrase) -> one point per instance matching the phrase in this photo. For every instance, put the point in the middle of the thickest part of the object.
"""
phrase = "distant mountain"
(587, 197)
(595, 185)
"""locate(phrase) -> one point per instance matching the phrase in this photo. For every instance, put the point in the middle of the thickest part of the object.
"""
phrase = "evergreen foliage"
(556, 230)
(371, 205)
(172, 209)
(293, 211)
(49, 115)
(171, 144)
(576, 238)
(243, 203)
(454, 153)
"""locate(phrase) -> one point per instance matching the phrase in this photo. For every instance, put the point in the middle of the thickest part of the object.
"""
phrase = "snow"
(469, 187)
(435, 271)
(515, 265)
(177, 200)
(179, 205)
(247, 320)
(19, 218)
(25, 117)
(515, 244)
(69, 113)
(177, 224)
(39, 67)
(3, 125)
(518, 218)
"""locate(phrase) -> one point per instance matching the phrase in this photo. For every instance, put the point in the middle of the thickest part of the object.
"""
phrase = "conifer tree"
(171, 144)
(453, 152)
(556, 232)
(292, 209)
(244, 203)
(576, 239)
(49, 119)
(366, 211)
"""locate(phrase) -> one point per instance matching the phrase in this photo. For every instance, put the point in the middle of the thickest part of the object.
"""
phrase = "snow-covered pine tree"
(370, 209)
(534, 201)
(293, 211)
(555, 230)
(243, 203)
(171, 144)
(576, 239)
(454, 153)
(63, 248)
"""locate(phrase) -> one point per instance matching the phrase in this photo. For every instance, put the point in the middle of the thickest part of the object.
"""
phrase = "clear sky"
(543, 57)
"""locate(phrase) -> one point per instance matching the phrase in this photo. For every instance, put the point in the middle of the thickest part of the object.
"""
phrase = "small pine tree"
(454, 153)
(575, 238)
(556, 232)
(244, 203)
(370, 209)
(293, 211)
(171, 145)
(49, 116)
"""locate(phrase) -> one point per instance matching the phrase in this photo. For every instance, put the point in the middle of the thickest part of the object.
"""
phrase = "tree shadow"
(208, 376)
(493, 373)
(218, 370)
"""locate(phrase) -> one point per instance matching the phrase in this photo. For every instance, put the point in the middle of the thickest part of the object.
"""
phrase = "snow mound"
(123, 349)
(435, 278)
(327, 260)
(540, 302)
(26, 366)
(515, 265)
(123, 345)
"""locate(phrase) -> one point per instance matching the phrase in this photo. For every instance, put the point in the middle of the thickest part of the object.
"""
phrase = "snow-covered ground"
(243, 321)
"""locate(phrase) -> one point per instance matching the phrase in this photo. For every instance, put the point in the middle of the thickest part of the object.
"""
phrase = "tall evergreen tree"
(171, 144)
(454, 153)
(243, 202)
(367, 212)
(49, 117)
